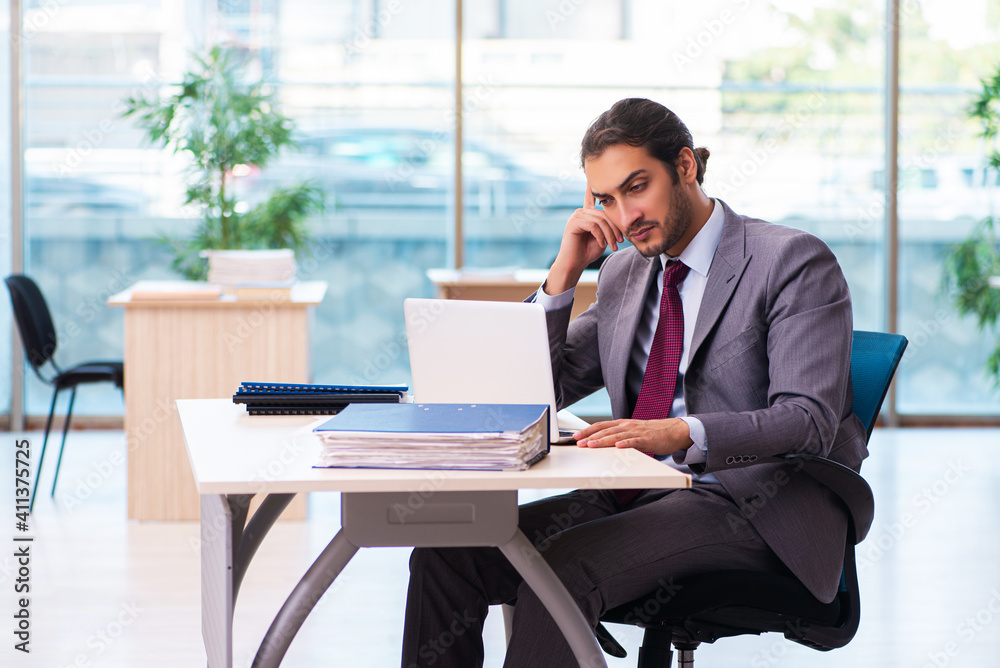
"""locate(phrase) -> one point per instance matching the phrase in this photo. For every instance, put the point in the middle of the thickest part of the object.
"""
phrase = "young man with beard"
(723, 341)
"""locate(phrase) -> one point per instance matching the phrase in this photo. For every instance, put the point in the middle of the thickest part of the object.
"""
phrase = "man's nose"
(627, 216)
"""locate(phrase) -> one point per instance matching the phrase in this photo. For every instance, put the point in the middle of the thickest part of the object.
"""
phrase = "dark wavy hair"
(639, 122)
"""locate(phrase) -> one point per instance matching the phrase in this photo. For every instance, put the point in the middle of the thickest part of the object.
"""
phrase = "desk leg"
(218, 529)
(226, 552)
(260, 523)
(564, 610)
(303, 599)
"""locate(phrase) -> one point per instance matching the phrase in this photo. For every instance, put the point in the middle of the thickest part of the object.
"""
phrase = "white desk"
(235, 456)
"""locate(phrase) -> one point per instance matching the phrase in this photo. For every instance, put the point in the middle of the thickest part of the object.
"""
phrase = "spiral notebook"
(309, 399)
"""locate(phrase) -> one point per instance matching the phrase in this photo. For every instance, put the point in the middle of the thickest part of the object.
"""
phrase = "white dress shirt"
(698, 256)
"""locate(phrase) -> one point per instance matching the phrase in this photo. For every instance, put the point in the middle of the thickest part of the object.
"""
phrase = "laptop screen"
(480, 352)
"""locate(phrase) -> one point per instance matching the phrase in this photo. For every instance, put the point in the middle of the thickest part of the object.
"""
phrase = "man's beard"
(674, 227)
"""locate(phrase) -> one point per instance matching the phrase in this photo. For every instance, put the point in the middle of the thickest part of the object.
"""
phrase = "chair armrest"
(845, 483)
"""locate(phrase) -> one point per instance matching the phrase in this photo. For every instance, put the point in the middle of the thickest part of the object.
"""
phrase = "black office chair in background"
(710, 606)
(34, 322)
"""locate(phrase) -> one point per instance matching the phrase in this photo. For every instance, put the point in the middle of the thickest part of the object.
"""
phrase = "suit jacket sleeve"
(792, 354)
(576, 364)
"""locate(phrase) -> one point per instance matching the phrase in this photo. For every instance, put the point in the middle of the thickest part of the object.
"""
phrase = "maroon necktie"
(660, 378)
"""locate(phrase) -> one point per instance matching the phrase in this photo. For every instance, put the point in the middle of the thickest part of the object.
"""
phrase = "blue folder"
(435, 418)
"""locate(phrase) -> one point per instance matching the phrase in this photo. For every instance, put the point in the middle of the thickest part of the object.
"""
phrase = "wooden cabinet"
(181, 345)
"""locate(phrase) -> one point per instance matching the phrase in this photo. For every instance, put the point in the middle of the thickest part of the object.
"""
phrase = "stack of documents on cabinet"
(436, 436)
(163, 291)
(259, 269)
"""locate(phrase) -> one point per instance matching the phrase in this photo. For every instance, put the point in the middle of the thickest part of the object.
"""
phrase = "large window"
(793, 121)
(369, 88)
(789, 97)
(6, 34)
(93, 195)
(944, 191)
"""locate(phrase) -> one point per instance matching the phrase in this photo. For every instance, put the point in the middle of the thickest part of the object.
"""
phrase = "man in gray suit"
(723, 341)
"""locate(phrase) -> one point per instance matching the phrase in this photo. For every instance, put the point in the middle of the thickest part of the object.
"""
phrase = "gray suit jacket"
(768, 373)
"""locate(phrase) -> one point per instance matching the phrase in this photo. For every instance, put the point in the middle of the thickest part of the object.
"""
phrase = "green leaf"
(968, 269)
(279, 222)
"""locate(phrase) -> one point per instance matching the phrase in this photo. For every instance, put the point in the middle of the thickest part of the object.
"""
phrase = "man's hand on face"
(588, 232)
(656, 437)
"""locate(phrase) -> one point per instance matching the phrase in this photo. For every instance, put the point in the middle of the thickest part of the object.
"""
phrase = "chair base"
(658, 648)
(685, 658)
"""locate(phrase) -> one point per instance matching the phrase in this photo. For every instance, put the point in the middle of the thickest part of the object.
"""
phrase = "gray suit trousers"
(604, 555)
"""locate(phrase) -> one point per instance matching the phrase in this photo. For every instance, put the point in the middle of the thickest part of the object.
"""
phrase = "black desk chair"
(34, 322)
(716, 605)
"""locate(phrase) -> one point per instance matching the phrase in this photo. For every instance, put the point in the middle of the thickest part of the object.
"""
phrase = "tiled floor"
(106, 592)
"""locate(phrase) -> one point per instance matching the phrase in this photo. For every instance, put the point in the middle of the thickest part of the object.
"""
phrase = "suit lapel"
(727, 269)
(637, 285)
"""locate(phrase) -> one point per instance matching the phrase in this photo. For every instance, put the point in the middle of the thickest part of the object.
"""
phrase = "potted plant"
(973, 266)
(222, 123)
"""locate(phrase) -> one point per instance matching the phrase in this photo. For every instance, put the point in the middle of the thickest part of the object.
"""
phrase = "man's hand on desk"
(657, 437)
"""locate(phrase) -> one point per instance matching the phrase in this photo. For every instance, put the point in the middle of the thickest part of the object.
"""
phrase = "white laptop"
(480, 352)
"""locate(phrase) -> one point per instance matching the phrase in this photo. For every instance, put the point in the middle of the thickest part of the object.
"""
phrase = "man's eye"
(604, 202)
(637, 186)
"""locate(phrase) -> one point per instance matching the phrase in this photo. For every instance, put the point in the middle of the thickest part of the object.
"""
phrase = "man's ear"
(687, 166)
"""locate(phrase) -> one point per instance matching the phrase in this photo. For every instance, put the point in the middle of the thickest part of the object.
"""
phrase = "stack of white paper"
(251, 267)
(436, 436)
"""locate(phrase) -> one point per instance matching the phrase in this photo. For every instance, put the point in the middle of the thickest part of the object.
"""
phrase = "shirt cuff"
(698, 452)
(556, 302)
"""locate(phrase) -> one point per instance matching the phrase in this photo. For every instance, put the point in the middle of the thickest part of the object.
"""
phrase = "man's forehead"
(614, 167)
